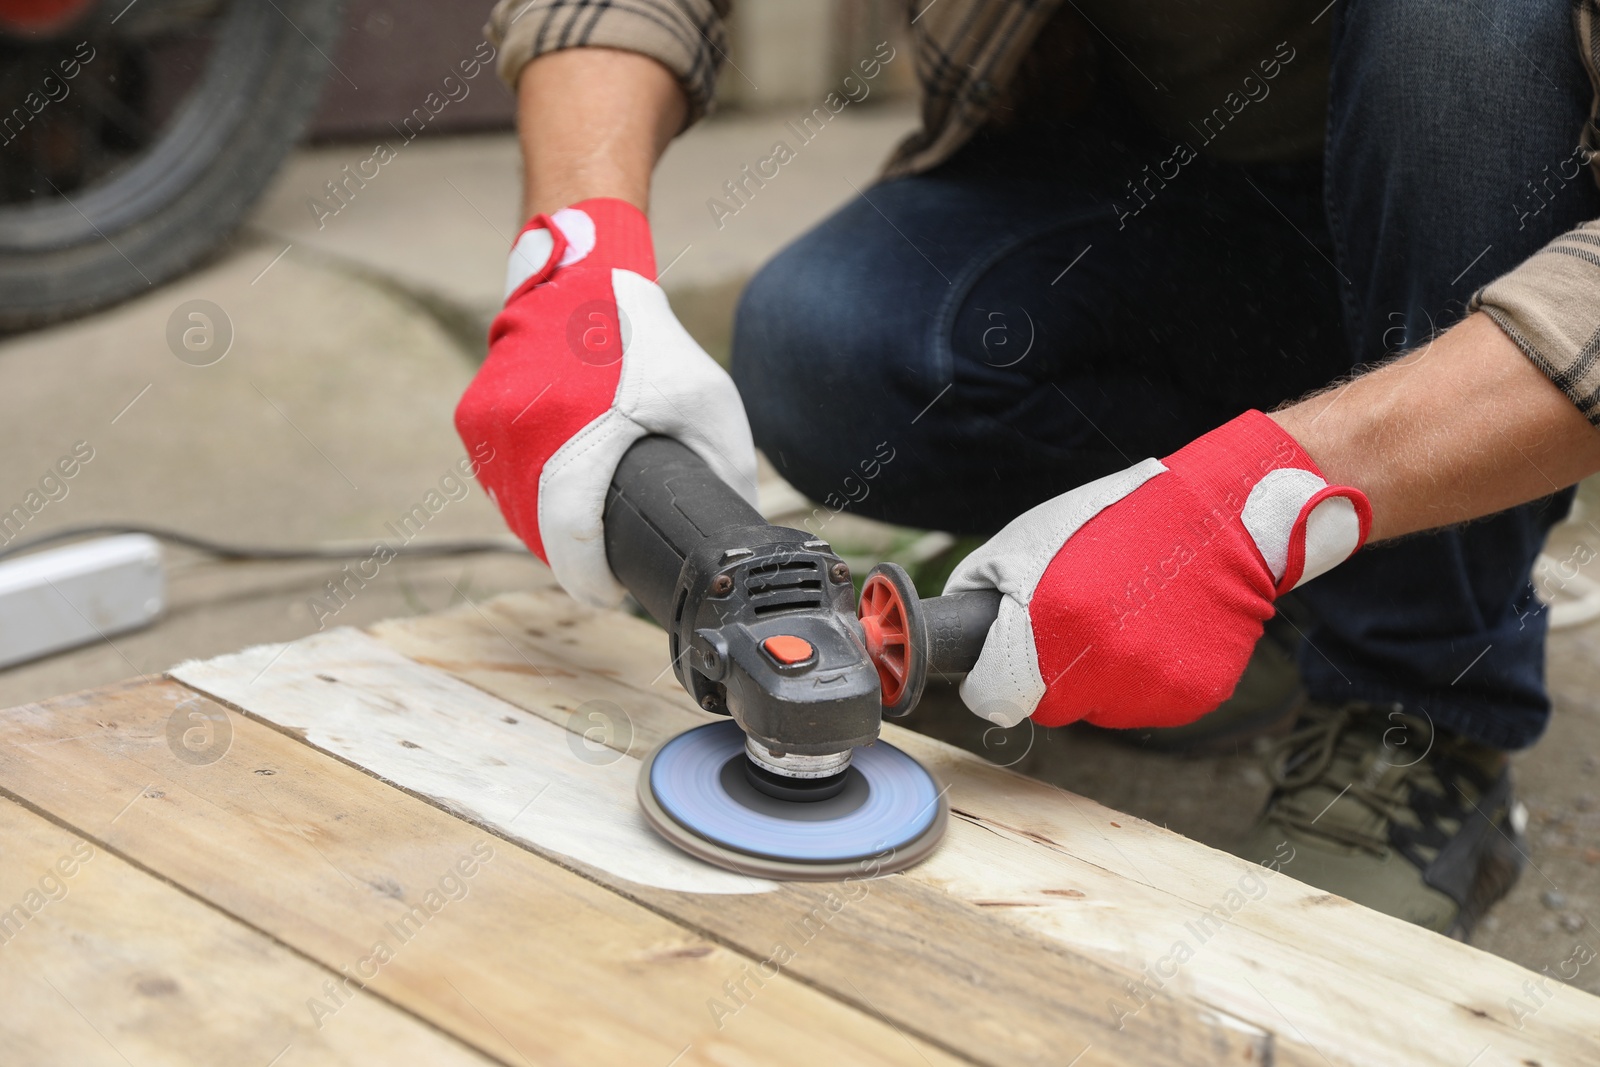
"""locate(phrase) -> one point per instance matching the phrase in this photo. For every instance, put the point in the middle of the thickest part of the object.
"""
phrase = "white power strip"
(66, 597)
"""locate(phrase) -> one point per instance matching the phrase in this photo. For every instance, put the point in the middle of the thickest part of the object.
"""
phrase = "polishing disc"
(694, 791)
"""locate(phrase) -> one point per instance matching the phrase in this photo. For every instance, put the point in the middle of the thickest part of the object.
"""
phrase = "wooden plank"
(551, 656)
(522, 959)
(102, 964)
(977, 983)
(555, 794)
(1142, 887)
(1025, 1003)
(532, 779)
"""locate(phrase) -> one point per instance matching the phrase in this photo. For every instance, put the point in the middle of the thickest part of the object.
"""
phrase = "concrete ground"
(330, 413)
(330, 416)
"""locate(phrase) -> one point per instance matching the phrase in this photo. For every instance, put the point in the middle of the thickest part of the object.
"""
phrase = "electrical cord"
(222, 550)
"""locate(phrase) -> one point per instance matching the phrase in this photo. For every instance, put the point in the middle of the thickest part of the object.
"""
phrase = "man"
(1121, 225)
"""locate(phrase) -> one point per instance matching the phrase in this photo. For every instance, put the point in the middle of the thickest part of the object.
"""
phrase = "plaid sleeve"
(967, 51)
(686, 36)
(1550, 306)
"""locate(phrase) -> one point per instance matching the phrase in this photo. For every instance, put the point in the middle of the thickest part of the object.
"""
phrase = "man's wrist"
(1460, 428)
(593, 122)
(602, 182)
(1324, 440)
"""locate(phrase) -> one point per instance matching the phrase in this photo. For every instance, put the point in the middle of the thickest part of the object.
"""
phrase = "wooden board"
(103, 964)
(532, 963)
(992, 997)
(360, 771)
(1143, 887)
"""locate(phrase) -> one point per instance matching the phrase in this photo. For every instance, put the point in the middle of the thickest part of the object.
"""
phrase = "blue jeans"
(1018, 321)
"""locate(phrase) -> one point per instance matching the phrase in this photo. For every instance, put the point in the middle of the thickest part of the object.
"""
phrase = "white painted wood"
(351, 695)
(1360, 986)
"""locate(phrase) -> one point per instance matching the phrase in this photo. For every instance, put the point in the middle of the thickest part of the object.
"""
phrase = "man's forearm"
(1460, 428)
(593, 122)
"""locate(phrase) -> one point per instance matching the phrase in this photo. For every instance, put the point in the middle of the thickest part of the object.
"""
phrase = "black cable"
(246, 552)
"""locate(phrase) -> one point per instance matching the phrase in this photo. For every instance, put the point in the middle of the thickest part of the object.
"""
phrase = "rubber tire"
(56, 271)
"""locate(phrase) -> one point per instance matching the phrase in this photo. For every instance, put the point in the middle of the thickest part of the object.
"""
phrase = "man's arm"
(1132, 602)
(581, 287)
(593, 123)
(1461, 428)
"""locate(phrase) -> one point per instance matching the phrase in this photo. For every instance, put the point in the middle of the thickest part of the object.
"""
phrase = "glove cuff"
(601, 230)
(1252, 471)
(1227, 463)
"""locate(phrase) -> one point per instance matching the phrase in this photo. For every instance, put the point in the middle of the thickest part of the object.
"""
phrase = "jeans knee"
(1427, 62)
(1452, 133)
(756, 328)
(778, 360)
(829, 321)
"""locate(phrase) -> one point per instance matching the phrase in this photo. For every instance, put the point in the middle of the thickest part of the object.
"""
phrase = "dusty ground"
(331, 415)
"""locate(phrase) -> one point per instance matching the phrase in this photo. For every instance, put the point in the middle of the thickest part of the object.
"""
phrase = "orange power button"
(788, 649)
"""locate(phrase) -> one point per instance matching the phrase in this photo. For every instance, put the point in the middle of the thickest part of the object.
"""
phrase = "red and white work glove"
(1135, 600)
(585, 359)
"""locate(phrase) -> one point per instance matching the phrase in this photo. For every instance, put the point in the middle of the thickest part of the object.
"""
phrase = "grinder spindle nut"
(908, 638)
(896, 636)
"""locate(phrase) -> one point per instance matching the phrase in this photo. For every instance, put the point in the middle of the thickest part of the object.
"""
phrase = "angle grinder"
(762, 627)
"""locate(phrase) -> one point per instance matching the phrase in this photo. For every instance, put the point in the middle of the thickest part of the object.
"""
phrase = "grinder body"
(723, 582)
(761, 619)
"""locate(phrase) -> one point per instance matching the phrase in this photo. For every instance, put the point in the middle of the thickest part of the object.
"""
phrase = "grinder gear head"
(761, 627)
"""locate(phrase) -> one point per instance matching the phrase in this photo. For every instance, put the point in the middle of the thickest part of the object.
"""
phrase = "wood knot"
(156, 986)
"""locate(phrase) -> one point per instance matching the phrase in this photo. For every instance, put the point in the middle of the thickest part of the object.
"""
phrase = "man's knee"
(801, 372)
(820, 353)
(768, 328)
(1452, 135)
(1429, 63)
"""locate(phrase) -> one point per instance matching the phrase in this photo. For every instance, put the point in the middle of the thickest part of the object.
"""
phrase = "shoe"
(1381, 808)
(1263, 705)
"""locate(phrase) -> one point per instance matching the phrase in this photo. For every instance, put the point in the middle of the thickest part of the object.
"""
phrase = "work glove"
(586, 358)
(1135, 600)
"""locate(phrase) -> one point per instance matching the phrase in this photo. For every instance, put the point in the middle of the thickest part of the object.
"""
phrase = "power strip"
(62, 598)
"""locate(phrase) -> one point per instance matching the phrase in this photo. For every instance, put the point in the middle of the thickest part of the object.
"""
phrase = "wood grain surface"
(522, 959)
(427, 835)
(1290, 959)
(101, 963)
(1013, 999)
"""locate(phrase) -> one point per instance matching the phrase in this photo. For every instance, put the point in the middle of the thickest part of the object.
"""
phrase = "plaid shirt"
(1550, 304)
(967, 53)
